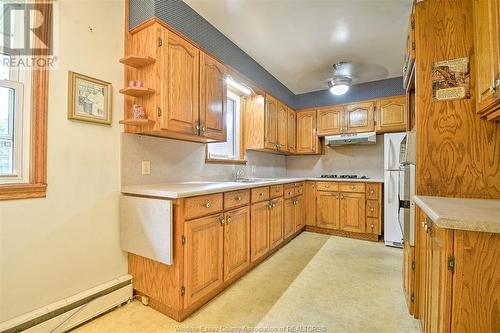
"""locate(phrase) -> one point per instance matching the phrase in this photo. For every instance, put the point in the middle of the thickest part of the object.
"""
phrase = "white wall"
(174, 161)
(365, 160)
(55, 247)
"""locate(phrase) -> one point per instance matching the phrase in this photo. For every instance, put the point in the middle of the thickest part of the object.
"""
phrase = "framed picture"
(89, 99)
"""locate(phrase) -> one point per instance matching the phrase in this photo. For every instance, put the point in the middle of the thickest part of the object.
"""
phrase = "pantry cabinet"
(259, 239)
(213, 98)
(307, 140)
(391, 114)
(203, 257)
(486, 15)
(236, 241)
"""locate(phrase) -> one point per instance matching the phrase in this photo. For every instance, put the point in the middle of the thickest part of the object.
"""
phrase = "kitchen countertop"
(481, 215)
(194, 188)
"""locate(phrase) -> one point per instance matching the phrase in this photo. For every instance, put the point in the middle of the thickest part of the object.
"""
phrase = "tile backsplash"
(177, 161)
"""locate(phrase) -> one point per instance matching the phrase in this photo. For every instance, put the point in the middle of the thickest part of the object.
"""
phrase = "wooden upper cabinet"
(487, 51)
(330, 120)
(259, 226)
(276, 222)
(307, 141)
(292, 129)
(203, 257)
(391, 114)
(180, 86)
(236, 242)
(327, 207)
(271, 123)
(212, 98)
(282, 127)
(358, 118)
(352, 212)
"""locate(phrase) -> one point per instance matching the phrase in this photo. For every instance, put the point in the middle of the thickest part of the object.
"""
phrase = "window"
(229, 150)
(23, 110)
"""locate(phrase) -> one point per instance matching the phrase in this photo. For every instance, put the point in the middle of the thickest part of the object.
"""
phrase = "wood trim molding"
(39, 108)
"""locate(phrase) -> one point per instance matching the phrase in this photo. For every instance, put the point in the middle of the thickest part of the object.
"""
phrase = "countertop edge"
(452, 223)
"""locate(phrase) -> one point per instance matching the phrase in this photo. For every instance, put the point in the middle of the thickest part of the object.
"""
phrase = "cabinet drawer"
(373, 225)
(202, 205)
(276, 191)
(260, 194)
(299, 189)
(372, 191)
(352, 187)
(327, 186)
(236, 198)
(372, 208)
(289, 192)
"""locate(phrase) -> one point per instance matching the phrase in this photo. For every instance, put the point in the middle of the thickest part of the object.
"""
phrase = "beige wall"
(365, 160)
(56, 247)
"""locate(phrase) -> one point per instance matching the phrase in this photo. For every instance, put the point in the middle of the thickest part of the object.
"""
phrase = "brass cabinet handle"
(427, 228)
(222, 220)
(372, 210)
(327, 186)
(372, 191)
(341, 197)
(207, 204)
(372, 226)
(290, 193)
(354, 187)
(270, 205)
(312, 185)
(337, 197)
(228, 219)
(261, 193)
(238, 198)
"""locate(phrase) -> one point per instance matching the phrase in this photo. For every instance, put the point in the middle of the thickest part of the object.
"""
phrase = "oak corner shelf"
(137, 61)
(137, 92)
(137, 122)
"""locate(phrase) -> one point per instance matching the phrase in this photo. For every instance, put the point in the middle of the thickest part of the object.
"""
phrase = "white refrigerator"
(393, 191)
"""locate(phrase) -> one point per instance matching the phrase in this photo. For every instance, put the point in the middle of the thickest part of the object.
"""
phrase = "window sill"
(22, 191)
(222, 161)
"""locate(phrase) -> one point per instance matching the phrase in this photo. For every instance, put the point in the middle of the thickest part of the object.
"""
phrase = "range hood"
(351, 139)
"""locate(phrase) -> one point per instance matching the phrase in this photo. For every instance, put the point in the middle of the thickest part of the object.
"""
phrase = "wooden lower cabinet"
(203, 257)
(259, 239)
(328, 207)
(236, 241)
(276, 212)
(289, 222)
(459, 279)
(409, 275)
(310, 203)
(299, 213)
(352, 212)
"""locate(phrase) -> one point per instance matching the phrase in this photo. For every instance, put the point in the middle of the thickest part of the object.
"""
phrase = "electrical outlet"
(146, 168)
(254, 169)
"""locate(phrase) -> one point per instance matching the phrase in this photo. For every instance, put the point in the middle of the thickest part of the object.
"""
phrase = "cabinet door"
(306, 132)
(236, 241)
(328, 210)
(180, 87)
(486, 43)
(310, 203)
(408, 275)
(330, 120)
(259, 234)
(271, 123)
(299, 213)
(391, 115)
(292, 129)
(352, 212)
(276, 222)
(212, 98)
(358, 118)
(203, 257)
(282, 127)
(289, 223)
(440, 279)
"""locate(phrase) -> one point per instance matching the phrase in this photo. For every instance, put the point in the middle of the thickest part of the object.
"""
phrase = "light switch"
(146, 168)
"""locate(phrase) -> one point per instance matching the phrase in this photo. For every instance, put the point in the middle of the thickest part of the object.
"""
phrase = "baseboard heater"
(73, 311)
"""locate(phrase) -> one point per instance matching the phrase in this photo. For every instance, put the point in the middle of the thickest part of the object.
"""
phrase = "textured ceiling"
(297, 41)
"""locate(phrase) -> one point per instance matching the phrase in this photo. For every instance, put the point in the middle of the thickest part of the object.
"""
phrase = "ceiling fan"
(339, 84)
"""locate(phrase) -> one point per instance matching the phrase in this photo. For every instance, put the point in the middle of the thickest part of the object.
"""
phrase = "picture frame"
(89, 99)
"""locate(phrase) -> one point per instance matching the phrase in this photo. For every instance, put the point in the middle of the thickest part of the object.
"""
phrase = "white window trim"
(236, 134)
(21, 135)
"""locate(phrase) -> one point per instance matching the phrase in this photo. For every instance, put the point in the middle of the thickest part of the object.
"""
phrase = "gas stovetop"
(344, 176)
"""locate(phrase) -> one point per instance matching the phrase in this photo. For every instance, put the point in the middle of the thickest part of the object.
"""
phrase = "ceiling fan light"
(339, 89)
